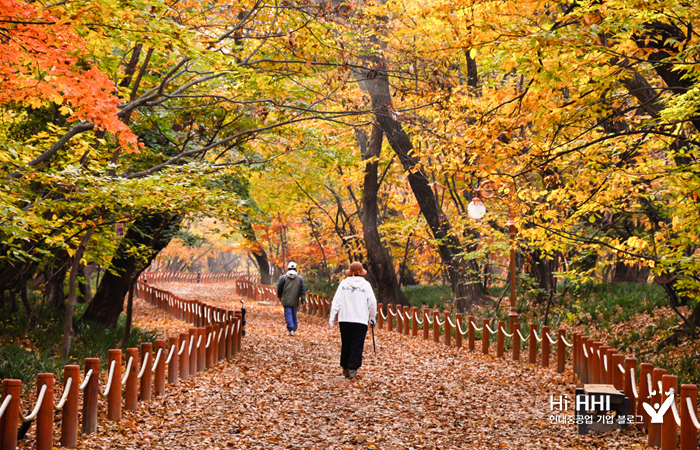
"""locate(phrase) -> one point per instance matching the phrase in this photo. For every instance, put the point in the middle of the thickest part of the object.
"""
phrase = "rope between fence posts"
(64, 397)
(398, 313)
(566, 343)
(39, 401)
(5, 402)
(430, 321)
(475, 327)
(384, 316)
(191, 343)
(522, 338)
(415, 316)
(489, 328)
(549, 338)
(459, 327)
(691, 410)
(633, 379)
(182, 348)
(221, 331)
(449, 319)
(585, 353)
(676, 416)
(393, 314)
(86, 380)
(506, 333)
(144, 364)
(226, 332)
(155, 363)
(605, 362)
(534, 332)
(109, 379)
(650, 386)
(170, 355)
(437, 321)
(619, 366)
(128, 369)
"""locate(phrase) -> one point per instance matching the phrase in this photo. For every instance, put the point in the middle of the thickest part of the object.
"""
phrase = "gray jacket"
(291, 289)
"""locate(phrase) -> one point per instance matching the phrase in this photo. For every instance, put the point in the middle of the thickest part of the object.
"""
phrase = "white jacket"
(354, 301)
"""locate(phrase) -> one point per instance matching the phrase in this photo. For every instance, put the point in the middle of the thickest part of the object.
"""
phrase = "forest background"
(206, 136)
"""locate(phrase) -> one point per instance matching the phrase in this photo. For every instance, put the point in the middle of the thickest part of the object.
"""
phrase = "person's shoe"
(353, 375)
(292, 332)
(346, 373)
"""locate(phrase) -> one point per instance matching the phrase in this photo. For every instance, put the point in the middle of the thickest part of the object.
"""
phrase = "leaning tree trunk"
(463, 275)
(380, 261)
(153, 231)
(256, 249)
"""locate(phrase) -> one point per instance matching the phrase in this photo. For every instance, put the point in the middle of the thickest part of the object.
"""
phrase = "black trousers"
(352, 337)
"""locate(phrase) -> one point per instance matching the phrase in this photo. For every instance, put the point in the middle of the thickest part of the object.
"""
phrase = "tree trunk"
(380, 261)
(463, 275)
(542, 270)
(72, 288)
(55, 285)
(153, 231)
(129, 315)
(256, 250)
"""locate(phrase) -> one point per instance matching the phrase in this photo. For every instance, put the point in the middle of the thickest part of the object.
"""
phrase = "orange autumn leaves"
(44, 61)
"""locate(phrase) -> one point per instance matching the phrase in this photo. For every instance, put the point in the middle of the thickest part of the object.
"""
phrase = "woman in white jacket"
(354, 306)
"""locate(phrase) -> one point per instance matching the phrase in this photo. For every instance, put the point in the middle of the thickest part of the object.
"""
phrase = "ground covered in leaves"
(288, 392)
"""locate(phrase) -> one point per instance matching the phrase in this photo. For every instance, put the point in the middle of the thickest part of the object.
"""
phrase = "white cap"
(292, 265)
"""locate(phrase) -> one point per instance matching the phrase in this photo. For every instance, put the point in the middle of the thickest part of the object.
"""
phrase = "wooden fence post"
(532, 344)
(470, 333)
(91, 394)
(485, 337)
(426, 325)
(131, 398)
(173, 365)
(44, 420)
(192, 350)
(114, 396)
(159, 385)
(436, 327)
(146, 381)
(69, 419)
(654, 436)
(669, 439)
(10, 420)
(516, 342)
(500, 339)
(644, 390)
(458, 334)
(407, 321)
(618, 376)
(689, 434)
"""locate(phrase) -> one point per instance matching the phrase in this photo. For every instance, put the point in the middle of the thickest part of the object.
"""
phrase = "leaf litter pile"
(288, 392)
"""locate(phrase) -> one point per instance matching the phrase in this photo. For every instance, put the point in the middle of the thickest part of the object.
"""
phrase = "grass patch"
(432, 296)
(28, 349)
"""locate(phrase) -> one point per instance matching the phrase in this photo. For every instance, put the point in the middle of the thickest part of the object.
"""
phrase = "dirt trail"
(288, 392)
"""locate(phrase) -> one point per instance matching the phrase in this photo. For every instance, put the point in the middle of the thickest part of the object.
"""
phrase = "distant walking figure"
(291, 292)
(354, 306)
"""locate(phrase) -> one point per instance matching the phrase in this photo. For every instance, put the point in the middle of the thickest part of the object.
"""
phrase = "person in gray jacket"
(291, 292)
(354, 306)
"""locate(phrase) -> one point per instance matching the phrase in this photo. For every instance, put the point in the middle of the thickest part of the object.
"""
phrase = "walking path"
(288, 392)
